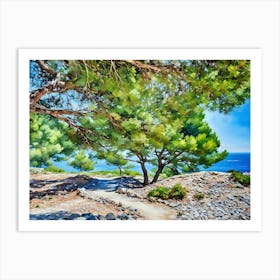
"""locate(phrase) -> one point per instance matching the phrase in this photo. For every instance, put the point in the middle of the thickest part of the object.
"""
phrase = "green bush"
(132, 173)
(116, 172)
(37, 171)
(199, 196)
(160, 192)
(241, 178)
(54, 169)
(177, 191)
(105, 172)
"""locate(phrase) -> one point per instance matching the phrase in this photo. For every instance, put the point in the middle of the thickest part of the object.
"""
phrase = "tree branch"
(144, 66)
(176, 155)
(44, 110)
(54, 86)
(45, 67)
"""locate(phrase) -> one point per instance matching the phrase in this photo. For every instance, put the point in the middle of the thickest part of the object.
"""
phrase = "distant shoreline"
(231, 162)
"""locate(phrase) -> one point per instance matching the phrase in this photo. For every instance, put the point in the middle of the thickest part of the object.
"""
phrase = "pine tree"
(130, 110)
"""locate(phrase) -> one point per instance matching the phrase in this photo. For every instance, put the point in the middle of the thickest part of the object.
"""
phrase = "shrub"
(105, 172)
(131, 173)
(177, 191)
(54, 169)
(35, 170)
(241, 178)
(160, 192)
(198, 196)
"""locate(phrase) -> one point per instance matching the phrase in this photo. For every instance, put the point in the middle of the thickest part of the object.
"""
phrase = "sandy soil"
(223, 197)
(70, 202)
(56, 198)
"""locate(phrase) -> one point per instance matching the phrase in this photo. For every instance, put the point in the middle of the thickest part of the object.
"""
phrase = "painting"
(139, 139)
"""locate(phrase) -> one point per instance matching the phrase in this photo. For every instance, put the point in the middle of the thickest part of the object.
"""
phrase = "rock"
(128, 192)
(73, 216)
(180, 213)
(89, 216)
(123, 217)
(121, 190)
(92, 217)
(172, 204)
(110, 216)
(238, 185)
(81, 218)
(32, 217)
(100, 217)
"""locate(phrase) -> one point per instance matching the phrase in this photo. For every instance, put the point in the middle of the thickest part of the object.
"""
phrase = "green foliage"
(199, 196)
(116, 172)
(54, 169)
(220, 84)
(130, 172)
(157, 128)
(176, 192)
(160, 192)
(36, 170)
(82, 162)
(167, 173)
(48, 140)
(241, 178)
(106, 172)
(124, 109)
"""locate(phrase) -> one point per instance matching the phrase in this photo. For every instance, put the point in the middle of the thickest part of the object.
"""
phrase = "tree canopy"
(127, 110)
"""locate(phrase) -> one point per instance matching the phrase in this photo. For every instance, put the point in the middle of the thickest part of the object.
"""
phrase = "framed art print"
(140, 139)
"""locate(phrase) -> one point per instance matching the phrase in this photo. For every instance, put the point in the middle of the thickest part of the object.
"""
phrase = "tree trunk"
(120, 170)
(145, 174)
(159, 170)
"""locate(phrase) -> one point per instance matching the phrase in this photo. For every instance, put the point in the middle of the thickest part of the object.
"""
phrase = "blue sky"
(233, 129)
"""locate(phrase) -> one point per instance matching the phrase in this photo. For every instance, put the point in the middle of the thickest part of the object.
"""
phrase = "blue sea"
(234, 161)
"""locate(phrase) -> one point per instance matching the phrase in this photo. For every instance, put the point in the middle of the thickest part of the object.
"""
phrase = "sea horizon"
(239, 161)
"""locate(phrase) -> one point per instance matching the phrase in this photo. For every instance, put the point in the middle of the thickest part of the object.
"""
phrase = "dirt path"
(224, 198)
(90, 196)
(147, 210)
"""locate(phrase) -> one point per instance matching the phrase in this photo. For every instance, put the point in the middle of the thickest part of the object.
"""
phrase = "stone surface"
(110, 216)
(224, 199)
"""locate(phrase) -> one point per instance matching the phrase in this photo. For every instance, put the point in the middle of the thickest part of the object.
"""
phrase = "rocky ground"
(70, 196)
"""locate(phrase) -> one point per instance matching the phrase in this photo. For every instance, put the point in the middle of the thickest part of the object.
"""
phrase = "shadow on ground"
(63, 215)
(53, 187)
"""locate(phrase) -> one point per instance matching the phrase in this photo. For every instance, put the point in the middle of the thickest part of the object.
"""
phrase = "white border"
(255, 224)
